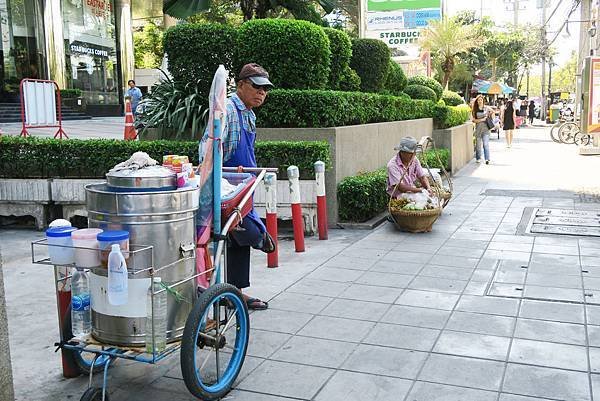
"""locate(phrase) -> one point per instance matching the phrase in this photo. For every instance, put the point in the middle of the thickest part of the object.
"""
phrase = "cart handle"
(251, 169)
(232, 218)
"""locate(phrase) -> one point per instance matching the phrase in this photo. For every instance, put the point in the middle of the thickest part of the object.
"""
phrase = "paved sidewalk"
(476, 310)
(97, 127)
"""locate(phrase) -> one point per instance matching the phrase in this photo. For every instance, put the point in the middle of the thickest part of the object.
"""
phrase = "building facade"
(80, 44)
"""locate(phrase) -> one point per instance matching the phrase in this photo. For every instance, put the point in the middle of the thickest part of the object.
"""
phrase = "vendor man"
(239, 135)
(406, 167)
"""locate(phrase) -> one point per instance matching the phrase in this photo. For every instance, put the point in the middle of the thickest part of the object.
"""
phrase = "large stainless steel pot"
(164, 220)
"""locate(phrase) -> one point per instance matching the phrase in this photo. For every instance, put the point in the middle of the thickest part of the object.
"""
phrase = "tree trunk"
(447, 68)
(247, 7)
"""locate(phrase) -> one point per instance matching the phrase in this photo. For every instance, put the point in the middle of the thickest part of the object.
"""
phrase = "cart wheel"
(83, 360)
(214, 342)
(93, 394)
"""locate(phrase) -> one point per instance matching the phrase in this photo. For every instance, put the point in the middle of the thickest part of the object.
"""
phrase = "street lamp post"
(550, 64)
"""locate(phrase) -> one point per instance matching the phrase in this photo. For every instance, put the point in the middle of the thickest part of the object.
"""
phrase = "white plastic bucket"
(86, 238)
(60, 245)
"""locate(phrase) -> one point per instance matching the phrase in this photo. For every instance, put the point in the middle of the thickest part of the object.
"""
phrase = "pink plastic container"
(86, 238)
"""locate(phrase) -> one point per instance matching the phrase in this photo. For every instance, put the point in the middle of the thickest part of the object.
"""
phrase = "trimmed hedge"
(349, 80)
(196, 50)
(70, 93)
(431, 83)
(92, 158)
(447, 117)
(312, 108)
(370, 60)
(420, 92)
(452, 98)
(341, 52)
(363, 196)
(396, 80)
(295, 53)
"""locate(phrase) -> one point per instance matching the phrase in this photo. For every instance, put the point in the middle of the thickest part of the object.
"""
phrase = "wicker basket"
(415, 221)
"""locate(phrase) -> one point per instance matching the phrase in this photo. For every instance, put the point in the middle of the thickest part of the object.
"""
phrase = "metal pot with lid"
(147, 179)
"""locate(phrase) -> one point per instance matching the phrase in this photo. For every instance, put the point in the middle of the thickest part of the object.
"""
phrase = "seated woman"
(406, 167)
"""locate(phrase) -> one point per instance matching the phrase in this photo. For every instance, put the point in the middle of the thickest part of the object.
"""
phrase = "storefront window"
(22, 53)
(90, 48)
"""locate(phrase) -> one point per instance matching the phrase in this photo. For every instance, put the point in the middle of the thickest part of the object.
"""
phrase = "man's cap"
(256, 74)
(407, 144)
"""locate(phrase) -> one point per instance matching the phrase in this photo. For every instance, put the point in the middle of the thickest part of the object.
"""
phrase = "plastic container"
(107, 238)
(60, 245)
(156, 320)
(117, 277)
(86, 238)
(81, 313)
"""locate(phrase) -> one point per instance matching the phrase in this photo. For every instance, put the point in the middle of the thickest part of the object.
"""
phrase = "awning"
(491, 88)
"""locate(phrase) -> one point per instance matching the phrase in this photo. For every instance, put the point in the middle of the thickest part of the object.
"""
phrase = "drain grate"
(564, 222)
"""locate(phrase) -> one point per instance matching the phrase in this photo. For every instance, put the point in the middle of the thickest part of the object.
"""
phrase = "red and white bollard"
(294, 178)
(271, 192)
(321, 200)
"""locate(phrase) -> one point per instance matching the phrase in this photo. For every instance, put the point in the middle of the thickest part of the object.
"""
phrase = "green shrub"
(195, 52)
(420, 92)
(70, 93)
(431, 83)
(92, 158)
(370, 60)
(349, 80)
(295, 53)
(312, 108)
(450, 116)
(395, 81)
(430, 158)
(176, 112)
(362, 196)
(452, 98)
(341, 51)
(302, 154)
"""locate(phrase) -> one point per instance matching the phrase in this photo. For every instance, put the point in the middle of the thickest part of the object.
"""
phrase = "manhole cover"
(565, 222)
(542, 282)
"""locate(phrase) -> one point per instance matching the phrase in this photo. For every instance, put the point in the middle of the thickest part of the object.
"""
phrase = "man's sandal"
(256, 304)
(268, 244)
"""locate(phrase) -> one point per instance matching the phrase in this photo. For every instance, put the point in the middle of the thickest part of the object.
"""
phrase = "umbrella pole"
(217, 175)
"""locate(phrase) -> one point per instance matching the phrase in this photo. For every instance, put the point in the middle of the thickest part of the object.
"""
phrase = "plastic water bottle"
(117, 277)
(160, 318)
(81, 313)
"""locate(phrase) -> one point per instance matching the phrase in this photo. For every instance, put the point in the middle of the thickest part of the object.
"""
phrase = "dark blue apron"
(244, 156)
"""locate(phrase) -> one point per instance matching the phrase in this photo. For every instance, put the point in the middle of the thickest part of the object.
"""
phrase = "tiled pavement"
(386, 315)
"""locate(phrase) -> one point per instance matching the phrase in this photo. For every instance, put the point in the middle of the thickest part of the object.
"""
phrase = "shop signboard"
(405, 39)
(79, 47)
(398, 23)
(591, 95)
(393, 5)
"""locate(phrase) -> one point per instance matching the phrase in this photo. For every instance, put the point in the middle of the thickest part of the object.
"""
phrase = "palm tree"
(446, 39)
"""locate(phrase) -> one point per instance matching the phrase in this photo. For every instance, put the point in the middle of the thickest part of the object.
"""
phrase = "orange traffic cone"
(129, 133)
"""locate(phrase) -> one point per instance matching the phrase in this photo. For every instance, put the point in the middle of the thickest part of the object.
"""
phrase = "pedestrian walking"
(479, 115)
(509, 116)
(135, 95)
(531, 111)
(523, 112)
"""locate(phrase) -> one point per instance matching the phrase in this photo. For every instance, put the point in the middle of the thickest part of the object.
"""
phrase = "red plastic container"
(232, 200)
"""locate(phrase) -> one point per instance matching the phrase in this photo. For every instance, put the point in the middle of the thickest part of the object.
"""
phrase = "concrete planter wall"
(25, 198)
(35, 197)
(353, 148)
(459, 140)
